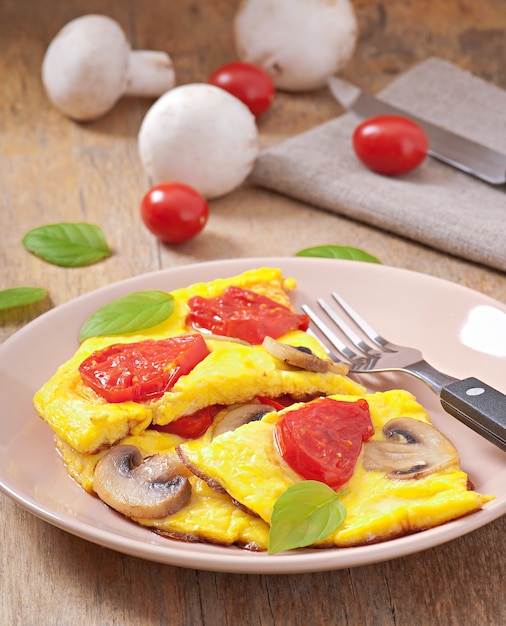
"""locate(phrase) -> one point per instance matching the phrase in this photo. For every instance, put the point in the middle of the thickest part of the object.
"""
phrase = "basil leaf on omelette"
(136, 311)
(305, 513)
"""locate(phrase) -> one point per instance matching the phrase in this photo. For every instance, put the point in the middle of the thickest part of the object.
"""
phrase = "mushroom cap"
(411, 449)
(237, 415)
(299, 43)
(85, 66)
(153, 487)
(200, 135)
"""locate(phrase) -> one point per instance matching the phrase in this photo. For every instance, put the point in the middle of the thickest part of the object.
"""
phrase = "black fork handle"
(479, 406)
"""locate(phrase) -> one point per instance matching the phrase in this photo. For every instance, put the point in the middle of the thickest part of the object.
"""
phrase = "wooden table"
(56, 170)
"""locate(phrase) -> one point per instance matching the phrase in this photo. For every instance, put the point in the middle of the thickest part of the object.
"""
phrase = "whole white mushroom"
(300, 43)
(200, 135)
(89, 65)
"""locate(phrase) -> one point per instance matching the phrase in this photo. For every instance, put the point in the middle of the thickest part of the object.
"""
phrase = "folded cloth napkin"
(435, 204)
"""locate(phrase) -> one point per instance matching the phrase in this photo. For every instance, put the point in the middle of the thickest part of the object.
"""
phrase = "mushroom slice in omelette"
(203, 514)
(225, 371)
(423, 489)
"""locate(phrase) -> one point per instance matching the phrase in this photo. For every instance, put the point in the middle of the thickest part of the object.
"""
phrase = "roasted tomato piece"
(191, 426)
(245, 315)
(279, 403)
(142, 370)
(322, 440)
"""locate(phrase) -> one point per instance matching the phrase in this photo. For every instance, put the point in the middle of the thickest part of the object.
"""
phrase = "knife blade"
(464, 154)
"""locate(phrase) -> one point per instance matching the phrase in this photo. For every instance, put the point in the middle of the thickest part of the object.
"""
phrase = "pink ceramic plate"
(460, 331)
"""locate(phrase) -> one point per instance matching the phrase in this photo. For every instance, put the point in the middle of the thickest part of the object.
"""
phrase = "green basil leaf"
(20, 296)
(136, 311)
(68, 244)
(339, 252)
(305, 513)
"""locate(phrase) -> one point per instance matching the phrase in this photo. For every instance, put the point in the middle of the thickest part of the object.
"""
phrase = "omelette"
(147, 457)
(233, 372)
(208, 516)
(380, 505)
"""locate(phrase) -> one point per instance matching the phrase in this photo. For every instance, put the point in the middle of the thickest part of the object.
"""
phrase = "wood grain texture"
(56, 170)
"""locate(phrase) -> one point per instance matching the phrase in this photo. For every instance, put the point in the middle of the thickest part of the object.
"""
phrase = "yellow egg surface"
(232, 373)
(209, 516)
(246, 464)
(212, 517)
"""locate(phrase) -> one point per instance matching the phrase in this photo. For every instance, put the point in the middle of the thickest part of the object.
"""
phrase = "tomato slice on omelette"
(248, 465)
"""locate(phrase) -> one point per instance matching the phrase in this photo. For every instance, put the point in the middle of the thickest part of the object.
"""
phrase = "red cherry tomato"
(250, 83)
(322, 440)
(390, 144)
(174, 212)
(142, 370)
(245, 315)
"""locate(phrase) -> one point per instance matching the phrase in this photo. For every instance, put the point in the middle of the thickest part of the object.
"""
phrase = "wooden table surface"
(56, 170)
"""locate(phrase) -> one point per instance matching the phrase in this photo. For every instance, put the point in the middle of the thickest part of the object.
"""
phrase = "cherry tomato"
(174, 212)
(322, 440)
(191, 426)
(141, 370)
(390, 144)
(249, 83)
(245, 315)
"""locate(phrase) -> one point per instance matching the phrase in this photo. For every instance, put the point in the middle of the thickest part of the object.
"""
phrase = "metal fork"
(471, 401)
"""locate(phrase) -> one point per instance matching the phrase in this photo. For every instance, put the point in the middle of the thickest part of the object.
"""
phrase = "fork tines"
(352, 340)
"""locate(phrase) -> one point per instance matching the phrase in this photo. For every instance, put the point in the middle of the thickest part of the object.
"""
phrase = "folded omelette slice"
(384, 498)
(235, 476)
(207, 516)
(232, 371)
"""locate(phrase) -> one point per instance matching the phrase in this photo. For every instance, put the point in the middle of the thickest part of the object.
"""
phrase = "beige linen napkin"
(435, 204)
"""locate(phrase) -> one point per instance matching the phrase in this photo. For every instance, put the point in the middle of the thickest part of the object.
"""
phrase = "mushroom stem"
(149, 73)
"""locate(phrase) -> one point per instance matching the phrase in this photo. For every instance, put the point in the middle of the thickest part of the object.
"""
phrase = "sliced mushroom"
(237, 415)
(153, 487)
(303, 357)
(412, 449)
